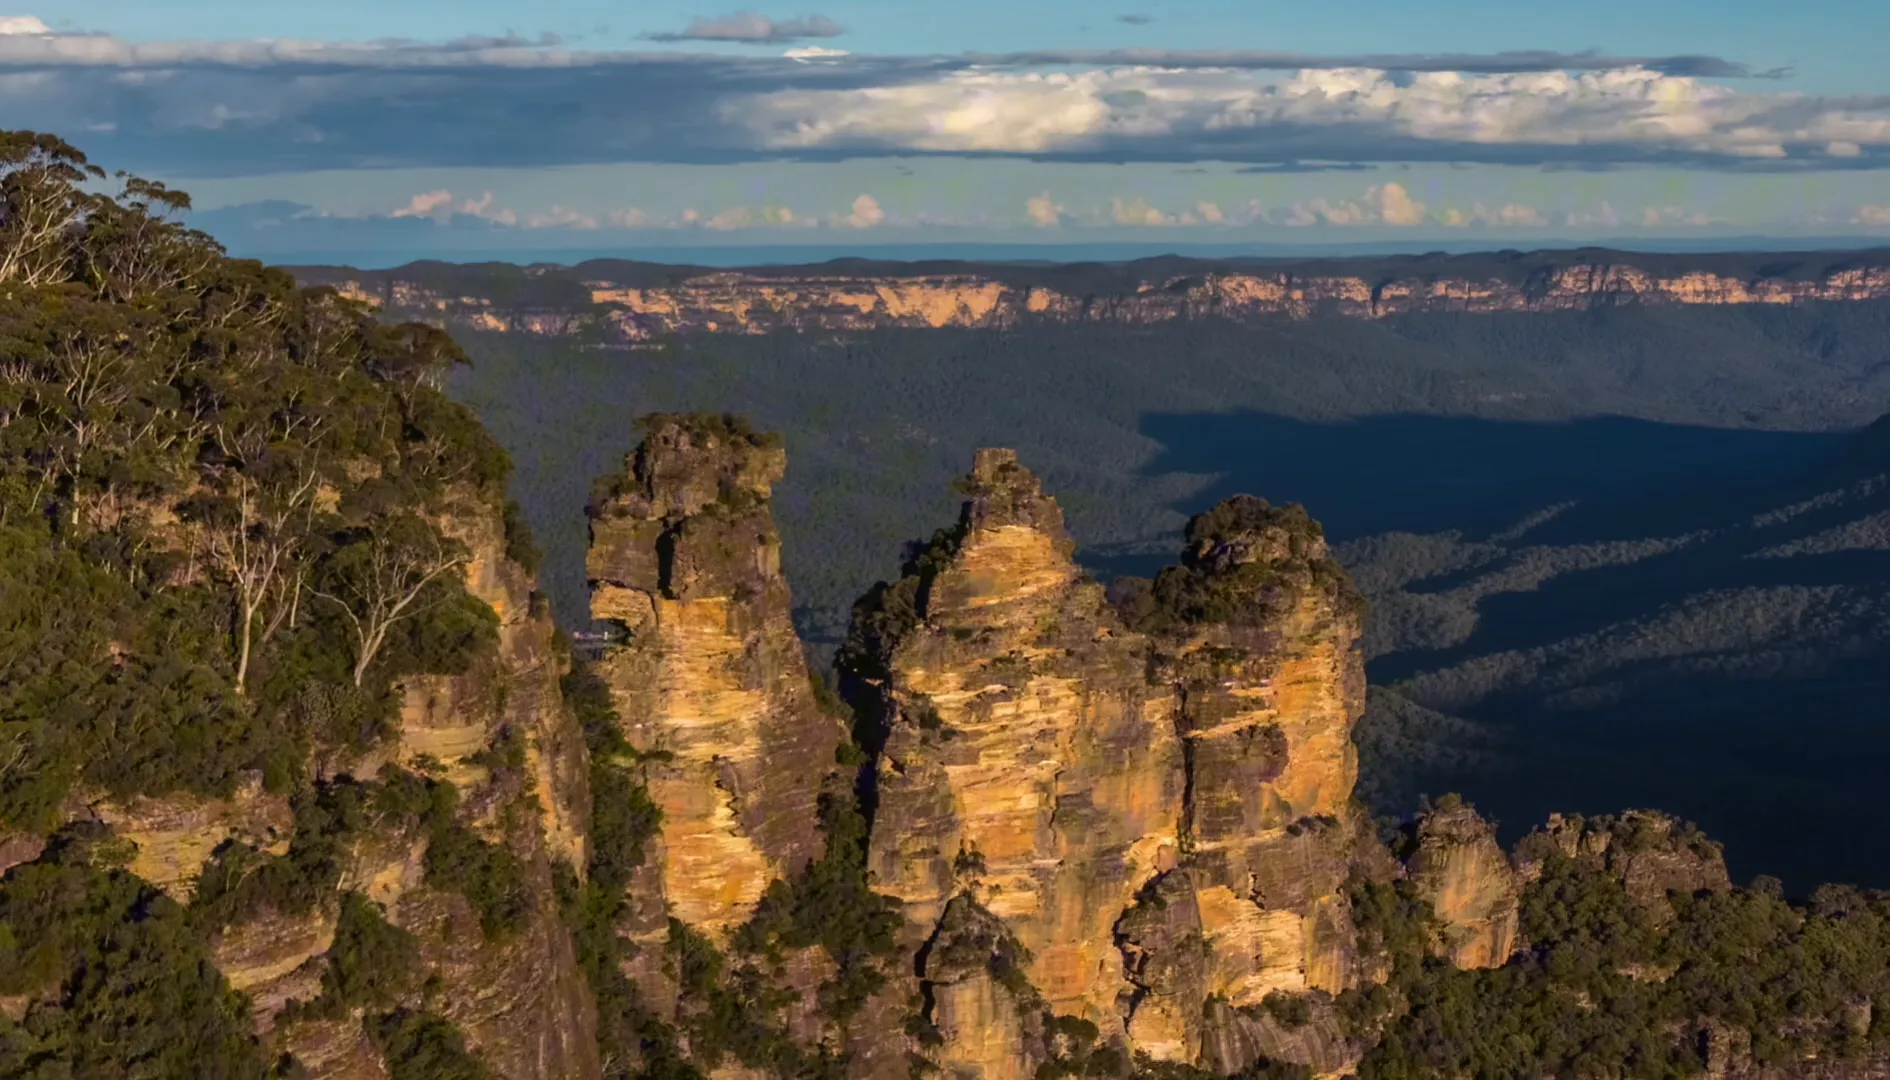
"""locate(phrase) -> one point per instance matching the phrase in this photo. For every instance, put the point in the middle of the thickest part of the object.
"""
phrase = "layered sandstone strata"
(711, 683)
(1153, 804)
(812, 298)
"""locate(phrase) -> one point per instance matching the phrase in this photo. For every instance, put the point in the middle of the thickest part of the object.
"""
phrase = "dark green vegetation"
(215, 491)
(117, 978)
(1456, 429)
(1608, 986)
(219, 553)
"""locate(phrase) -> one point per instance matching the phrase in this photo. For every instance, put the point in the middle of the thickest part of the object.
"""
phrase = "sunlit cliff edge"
(626, 303)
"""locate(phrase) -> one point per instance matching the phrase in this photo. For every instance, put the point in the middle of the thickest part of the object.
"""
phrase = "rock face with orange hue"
(1152, 802)
(817, 299)
(1466, 877)
(711, 681)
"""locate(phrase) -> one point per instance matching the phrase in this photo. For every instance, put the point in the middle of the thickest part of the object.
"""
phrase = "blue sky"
(578, 123)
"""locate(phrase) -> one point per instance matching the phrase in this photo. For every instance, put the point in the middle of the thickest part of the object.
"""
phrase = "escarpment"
(1151, 799)
(625, 305)
(711, 683)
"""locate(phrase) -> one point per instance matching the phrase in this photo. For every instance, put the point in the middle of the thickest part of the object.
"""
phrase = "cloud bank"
(244, 108)
(750, 28)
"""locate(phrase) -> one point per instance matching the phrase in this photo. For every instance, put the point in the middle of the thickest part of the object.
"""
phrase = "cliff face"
(1467, 878)
(1155, 818)
(518, 997)
(804, 299)
(711, 684)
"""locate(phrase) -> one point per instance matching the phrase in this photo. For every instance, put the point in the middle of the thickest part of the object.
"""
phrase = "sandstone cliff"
(1468, 880)
(626, 304)
(711, 684)
(1131, 813)
(502, 737)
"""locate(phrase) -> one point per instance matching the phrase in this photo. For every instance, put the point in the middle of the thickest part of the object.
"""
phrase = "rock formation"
(1466, 877)
(518, 998)
(628, 310)
(711, 683)
(1152, 804)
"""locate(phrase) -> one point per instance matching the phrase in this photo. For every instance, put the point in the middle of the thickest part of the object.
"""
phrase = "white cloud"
(561, 217)
(428, 204)
(1878, 216)
(1137, 212)
(12, 25)
(1395, 206)
(486, 208)
(1045, 212)
(735, 217)
(628, 218)
(1506, 216)
(815, 54)
(1385, 204)
(1210, 212)
(866, 213)
(1189, 112)
(1605, 217)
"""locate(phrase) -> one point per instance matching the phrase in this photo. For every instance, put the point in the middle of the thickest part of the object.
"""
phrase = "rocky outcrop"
(1466, 877)
(1652, 853)
(629, 309)
(174, 836)
(711, 683)
(1154, 803)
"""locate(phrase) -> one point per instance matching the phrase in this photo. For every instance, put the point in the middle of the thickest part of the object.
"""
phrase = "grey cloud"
(1287, 167)
(243, 108)
(1520, 62)
(753, 29)
(1135, 20)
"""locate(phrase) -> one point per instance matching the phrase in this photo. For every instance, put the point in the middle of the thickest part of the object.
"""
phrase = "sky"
(481, 125)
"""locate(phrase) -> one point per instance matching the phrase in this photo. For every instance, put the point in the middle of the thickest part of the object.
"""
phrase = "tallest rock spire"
(1128, 822)
(711, 684)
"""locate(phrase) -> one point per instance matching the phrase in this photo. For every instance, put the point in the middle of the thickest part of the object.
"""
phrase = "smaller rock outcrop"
(1652, 853)
(1464, 874)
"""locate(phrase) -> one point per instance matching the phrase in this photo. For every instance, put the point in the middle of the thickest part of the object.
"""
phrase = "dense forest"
(227, 545)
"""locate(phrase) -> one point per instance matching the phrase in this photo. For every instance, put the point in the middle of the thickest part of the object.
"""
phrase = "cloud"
(441, 207)
(1385, 204)
(428, 204)
(815, 54)
(561, 217)
(1878, 216)
(187, 108)
(628, 217)
(1507, 216)
(1342, 114)
(1137, 212)
(1655, 217)
(866, 213)
(11, 25)
(1044, 212)
(1135, 20)
(750, 28)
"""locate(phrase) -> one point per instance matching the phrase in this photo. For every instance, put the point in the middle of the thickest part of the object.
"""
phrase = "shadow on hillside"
(1409, 473)
(1775, 750)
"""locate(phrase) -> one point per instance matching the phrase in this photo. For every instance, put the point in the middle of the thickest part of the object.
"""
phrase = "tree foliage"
(221, 499)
